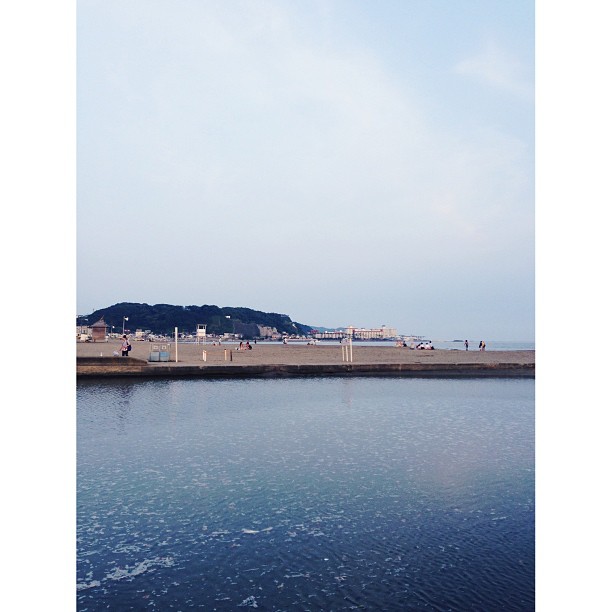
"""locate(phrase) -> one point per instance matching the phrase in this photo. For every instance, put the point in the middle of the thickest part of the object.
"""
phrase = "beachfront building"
(328, 335)
(357, 333)
(84, 330)
(142, 334)
(380, 333)
(98, 331)
(268, 332)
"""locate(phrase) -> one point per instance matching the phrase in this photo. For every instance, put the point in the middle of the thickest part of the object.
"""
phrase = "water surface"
(306, 494)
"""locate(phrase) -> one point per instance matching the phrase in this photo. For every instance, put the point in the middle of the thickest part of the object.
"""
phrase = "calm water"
(306, 494)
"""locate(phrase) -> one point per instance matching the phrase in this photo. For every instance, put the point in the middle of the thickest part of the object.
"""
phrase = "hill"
(163, 318)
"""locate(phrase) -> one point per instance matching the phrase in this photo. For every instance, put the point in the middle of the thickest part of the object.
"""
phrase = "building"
(358, 333)
(328, 335)
(380, 333)
(98, 331)
(268, 332)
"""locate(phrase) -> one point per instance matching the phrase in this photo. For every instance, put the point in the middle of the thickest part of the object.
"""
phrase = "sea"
(491, 345)
(306, 494)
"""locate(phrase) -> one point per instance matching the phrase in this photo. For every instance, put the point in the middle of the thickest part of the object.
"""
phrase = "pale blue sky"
(343, 162)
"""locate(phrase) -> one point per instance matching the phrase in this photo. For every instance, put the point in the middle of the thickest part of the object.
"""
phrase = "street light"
(124, 320)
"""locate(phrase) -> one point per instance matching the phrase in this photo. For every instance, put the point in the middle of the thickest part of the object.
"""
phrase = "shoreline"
(95, 360)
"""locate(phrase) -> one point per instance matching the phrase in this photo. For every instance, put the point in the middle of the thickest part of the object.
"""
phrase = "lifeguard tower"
(201, 333)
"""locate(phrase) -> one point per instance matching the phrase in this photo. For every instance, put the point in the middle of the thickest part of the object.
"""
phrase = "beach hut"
(98, 331)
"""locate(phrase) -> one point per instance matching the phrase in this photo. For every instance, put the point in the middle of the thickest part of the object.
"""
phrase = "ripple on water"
(306, 494)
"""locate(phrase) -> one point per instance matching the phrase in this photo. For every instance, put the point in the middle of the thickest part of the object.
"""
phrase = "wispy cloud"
(497, 68)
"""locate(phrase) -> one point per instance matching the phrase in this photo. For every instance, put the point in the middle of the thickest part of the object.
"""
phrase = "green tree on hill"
(163, 318)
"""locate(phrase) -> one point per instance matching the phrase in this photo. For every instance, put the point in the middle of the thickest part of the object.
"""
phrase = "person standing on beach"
(466, 345)
(483, 346)
(124, 346)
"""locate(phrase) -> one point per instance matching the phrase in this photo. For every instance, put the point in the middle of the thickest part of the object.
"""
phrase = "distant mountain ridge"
(163, 318)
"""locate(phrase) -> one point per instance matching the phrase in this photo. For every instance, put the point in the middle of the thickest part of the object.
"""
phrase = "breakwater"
(134, 367)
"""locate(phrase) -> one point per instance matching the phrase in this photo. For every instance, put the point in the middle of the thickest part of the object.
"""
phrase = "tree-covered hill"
(163, 318)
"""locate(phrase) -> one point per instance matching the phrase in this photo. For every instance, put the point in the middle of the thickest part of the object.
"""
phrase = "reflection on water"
(306, 494)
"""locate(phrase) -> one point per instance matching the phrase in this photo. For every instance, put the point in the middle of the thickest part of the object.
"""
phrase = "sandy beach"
(300, 354)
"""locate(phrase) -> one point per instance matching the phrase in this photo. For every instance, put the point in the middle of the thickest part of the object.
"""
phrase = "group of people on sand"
(424, 346)
(126, 346)
(421, 346)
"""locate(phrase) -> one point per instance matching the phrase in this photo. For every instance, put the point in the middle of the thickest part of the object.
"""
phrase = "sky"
(342, 162)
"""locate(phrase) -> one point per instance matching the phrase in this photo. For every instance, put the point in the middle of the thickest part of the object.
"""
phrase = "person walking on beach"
(466, 345)
(125, 346)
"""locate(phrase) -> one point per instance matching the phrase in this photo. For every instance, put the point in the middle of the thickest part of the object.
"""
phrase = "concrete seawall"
(102, 367)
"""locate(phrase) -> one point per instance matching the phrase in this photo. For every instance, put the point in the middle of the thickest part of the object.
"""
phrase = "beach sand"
(302, 354)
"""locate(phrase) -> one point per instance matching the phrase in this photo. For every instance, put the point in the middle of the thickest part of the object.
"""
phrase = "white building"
(380, 333)
(358, 333)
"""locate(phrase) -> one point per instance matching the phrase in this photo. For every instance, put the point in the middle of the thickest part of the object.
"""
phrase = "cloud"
(497, 68)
